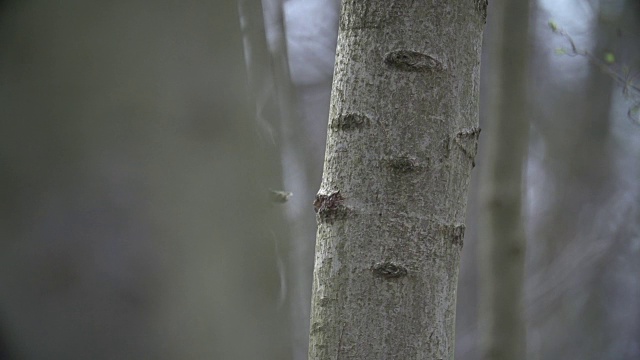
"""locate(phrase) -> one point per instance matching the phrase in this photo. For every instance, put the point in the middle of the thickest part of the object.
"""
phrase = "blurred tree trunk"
(311, 31)
(502, 235)
(401, 142)
(135, 220)
(578, 227)
(277, 110)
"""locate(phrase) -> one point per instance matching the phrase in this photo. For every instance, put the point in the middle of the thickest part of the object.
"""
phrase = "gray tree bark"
(502, 235)
(403, 131)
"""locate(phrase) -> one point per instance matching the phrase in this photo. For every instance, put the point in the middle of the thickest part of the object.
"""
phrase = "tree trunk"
(311, 31)
(402, 137)
(502, 236)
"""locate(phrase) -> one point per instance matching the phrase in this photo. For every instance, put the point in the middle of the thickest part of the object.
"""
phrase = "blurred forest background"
(102, 257)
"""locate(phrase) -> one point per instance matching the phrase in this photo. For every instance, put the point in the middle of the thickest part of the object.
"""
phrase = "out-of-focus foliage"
(583, 190)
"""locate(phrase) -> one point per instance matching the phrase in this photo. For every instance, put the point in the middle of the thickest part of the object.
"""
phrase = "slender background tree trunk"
(403, 131)
(312, 30)
(582, 229)
(502, 234)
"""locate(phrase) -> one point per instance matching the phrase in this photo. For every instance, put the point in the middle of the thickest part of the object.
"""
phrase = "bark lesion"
(330, 208)
(409, 60)
(481, 6)
(467, 141)
(389, 270)
(402, 164)
(453, 232)
(350, 121)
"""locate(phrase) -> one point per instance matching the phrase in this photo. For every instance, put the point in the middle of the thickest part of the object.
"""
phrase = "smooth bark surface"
(403, 131)
(502, 236)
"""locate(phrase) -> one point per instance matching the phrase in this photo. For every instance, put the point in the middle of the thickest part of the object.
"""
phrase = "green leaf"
(561, 51)
(553, 25)
(609, 58)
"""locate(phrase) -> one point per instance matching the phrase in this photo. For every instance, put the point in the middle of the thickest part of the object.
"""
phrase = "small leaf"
(561, 51)
(609, 58)
(553, 25)
(279, 196)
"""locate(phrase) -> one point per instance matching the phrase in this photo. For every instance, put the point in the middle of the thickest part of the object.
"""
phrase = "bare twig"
(624, 78)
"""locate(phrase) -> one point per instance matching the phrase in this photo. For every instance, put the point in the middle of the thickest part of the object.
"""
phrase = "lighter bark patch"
(347, 122)
(330, 208)
(317, 328)
(467, 140)
(389, 270)
(408, 60)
